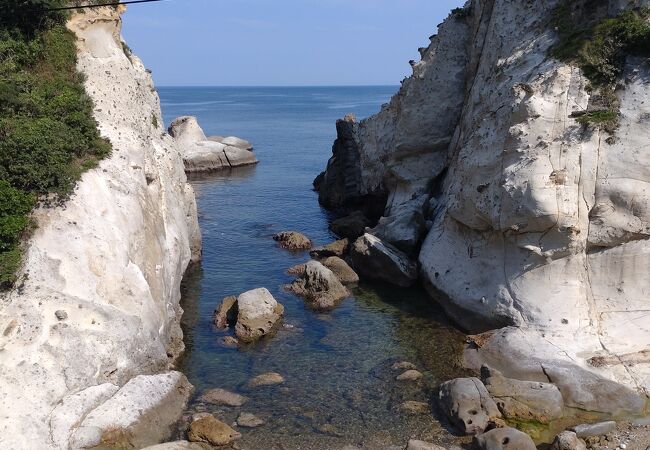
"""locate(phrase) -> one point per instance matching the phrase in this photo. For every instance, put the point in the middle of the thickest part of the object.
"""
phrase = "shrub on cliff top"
(599, 45)
(48, 135)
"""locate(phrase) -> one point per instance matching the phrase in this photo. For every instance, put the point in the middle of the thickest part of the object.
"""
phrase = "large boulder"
(292, 240)
(258, 314)
(237, 142)
(319, 286)
(212, 431)
(201, 154)
(505, 439)
(468, 405)
(524, 400)
(568, 440)
(341, 269)
(141, 413)
(377, 260)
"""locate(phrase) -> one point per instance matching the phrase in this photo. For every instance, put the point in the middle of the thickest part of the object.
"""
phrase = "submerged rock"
(258, 314)
(177, 445)
(292, 240)
(319, 286)
(226, 312)
(403, 365)
(468, 405)
(248, 420)
(409, 375)
(222, 397)
(377, 260)
(351, 226)
(341, 269)
(212, 431)
(414, 407)
(336, 248)
(505, 439)
(266, 379)
(202, 154)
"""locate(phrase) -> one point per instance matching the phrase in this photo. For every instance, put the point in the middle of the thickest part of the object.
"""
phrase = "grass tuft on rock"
(599, 45)
(48, 136)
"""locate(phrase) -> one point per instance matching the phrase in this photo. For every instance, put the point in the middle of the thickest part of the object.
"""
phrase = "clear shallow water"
(339, 389)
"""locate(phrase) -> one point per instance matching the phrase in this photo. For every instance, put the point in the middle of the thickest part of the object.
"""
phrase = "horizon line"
(272, 85)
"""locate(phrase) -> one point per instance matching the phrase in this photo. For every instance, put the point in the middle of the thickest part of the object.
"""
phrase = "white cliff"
(537, 223)
(98, 300)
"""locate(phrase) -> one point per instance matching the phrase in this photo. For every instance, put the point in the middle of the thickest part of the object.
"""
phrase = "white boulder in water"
(201, 154)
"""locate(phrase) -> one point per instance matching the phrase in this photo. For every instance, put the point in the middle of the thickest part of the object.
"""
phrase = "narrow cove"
(339, 387)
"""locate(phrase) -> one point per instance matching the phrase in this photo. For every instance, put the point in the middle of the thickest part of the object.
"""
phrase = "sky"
(282, 42)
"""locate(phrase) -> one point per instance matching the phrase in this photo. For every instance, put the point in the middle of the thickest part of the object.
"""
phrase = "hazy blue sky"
(282, 42)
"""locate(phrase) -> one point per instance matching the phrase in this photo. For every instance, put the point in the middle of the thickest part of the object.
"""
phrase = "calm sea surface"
(340, 388)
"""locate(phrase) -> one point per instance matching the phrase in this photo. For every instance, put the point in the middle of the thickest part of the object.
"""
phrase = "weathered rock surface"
(178, 445)
(341, 269)
(337, 248)
(536, 220)
(112, 259)
(237, 142)
(567, 440)
(422, 445)
(220, 396)
(319, 286)
(258, 314)
(292, 240)
(212, 431)
(404, 228)
(201, 154)
(140, 414)
(266, 379)
(524, 400)
(226, 312)
(505, 439)
(351, 226)
(468, 405)
(376, 260)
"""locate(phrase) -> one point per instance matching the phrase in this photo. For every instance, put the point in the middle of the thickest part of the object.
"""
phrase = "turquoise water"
(339, 389)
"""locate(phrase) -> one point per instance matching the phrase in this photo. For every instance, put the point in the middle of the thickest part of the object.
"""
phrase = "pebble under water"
(339, 386)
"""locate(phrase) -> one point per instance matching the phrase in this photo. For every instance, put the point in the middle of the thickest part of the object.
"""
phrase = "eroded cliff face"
(536, 222)
(98, 302)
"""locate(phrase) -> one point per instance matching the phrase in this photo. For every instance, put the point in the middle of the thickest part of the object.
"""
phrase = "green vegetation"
(599, 45)
(48, 136)
(461, 13)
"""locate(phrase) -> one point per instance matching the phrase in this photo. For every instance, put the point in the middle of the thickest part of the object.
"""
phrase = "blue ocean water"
(339, 389)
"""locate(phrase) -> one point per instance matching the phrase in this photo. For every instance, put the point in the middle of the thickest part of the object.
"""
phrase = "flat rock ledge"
(203, 154)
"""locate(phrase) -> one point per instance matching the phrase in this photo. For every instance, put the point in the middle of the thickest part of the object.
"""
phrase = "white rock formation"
(112, 258)
(202, 154)
(536, 220)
